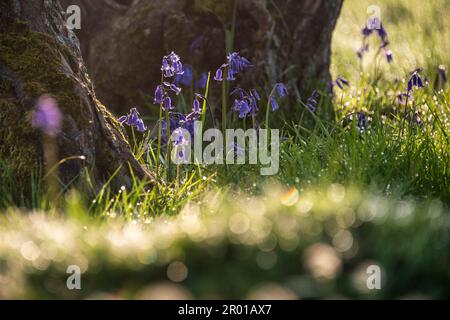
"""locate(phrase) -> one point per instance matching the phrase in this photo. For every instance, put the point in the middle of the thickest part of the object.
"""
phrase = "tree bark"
(39, 55)
(123, 41)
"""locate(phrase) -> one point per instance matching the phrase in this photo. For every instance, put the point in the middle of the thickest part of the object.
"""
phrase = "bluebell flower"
(360, 52)
(219, 75)
(312, 102)
(230, 75)
(242, 107)
(255, 94)
(382, 33)
(245, 102)
(274, 103)
(389, 56)
(281, 90)
(238, 63)
(201, 83)
(159, 94)
(175, 89)
(196, 105)
(238, 92)
(253, 105)
(133, 119)
(341, 82)
(171, 65)
(47, 116)
(415, 80)
(167, 105)
(186, 78)
(366, 31)
(361, 123)
(235, 64)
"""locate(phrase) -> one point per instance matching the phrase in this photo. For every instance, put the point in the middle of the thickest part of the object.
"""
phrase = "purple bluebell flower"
(253, 105)
(242, 107)
(366, 31)
(159, 95)
(415, 80)
(341, 82)
(374, 23)
(360, 52)
(185, 79)
(245, 102)
(389, 56)
(133, 119)
(47, 116)
(238, 92)
(281, 90)
(167, 104)
(255, 94)
(171, 65)
(230, 75)
(238, 63)
(196, 105)
(382, 33)
(175, 89)
(312, 102)
(361, 123)
(201, 83)
(274, 103)
(235, 64)
(219, 75)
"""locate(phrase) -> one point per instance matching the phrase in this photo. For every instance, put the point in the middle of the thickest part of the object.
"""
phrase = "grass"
(344, 198)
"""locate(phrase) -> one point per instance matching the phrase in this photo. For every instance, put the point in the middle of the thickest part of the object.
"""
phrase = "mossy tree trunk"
(123, 40)
(39, 55)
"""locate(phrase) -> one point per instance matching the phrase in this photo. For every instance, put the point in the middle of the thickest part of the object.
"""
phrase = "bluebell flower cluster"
(133, 119)
(340, 82)
(281, 91)
(171, 65)
(361, 121)
(246, 103)
(312, 101)
(415, 81)
(235, 64)
(375, 27)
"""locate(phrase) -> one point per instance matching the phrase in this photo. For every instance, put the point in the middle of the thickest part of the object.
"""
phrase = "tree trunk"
(123, 41)
(39, 55)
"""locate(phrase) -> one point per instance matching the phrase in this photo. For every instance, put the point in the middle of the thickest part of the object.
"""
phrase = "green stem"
(224, 108)
(158, 153)
(168, 144)
(205, 101)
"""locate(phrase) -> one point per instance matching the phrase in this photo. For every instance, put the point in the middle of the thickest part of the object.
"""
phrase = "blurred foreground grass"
(278, 245)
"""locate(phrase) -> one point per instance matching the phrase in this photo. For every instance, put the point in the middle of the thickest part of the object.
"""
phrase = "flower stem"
(224, 109)
(158, 152)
